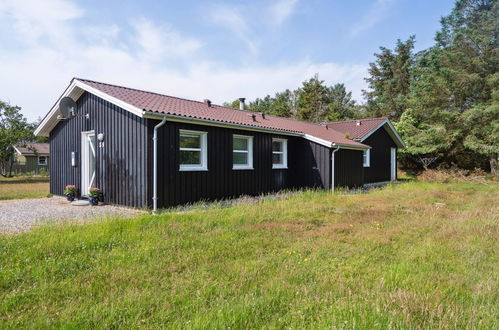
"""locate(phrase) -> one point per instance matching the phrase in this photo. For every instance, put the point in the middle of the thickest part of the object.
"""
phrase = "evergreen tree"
(341, 105)
(284, 104)
(457, 75)
(312, 103)
(422, 139)
(483, 134)
(389, 80)
(261, 105)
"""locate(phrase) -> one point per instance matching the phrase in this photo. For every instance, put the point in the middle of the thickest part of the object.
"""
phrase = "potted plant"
(93, 196)
(70, 192)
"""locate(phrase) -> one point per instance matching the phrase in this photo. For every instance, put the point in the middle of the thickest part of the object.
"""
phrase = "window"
(193, 151)
(42, 160)
(242, 152)
(367, 158)
(279, 153)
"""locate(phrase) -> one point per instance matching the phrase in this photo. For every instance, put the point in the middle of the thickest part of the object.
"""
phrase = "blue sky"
(219, 50)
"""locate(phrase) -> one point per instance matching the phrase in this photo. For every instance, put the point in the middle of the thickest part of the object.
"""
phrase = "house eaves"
(78, 86)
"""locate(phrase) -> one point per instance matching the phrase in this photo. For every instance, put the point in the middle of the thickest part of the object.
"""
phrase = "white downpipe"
(332, 166)
(155, 166)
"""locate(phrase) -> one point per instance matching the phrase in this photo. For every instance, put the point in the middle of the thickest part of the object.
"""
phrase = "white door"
(393, 164)
(87, 161)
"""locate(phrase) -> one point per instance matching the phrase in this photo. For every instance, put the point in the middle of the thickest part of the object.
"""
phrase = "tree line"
(443, 100)
(314, 102)
(15, 130)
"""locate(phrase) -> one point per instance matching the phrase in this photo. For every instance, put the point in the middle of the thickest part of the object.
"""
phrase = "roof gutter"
(177, 118)
(183, 119)
(155, 166)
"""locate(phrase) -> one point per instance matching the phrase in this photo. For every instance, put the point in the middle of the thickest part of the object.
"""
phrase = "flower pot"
(70, 197)
(93, 200)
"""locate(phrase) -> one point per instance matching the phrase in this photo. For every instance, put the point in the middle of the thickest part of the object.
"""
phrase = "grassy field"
(413, 255)
(23, 187)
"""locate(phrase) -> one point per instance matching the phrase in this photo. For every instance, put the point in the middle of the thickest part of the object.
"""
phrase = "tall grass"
(415, 255)
(23, 187)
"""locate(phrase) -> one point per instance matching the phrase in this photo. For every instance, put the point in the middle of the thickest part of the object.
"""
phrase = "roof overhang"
(76, 88)
(200, 121)
(18, 151)
(388, 126)
(207, 122)
(74, 91)
(330, 144)
(31, 153)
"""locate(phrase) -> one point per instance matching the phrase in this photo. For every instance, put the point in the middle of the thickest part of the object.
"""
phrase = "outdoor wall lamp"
(100, 138)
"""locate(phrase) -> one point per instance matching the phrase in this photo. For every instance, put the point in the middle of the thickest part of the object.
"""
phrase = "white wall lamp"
(100, 138)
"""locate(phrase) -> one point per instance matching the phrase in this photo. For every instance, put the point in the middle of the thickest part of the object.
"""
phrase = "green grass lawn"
(23, 187)
(390, 258)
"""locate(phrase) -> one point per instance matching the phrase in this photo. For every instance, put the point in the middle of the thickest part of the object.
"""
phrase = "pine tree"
(283, 104)
(312, 104)
(456, 76)
(341, 105)
(483, 134)
(389, 80)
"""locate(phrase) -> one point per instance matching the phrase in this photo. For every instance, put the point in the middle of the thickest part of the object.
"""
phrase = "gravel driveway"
(20, 215)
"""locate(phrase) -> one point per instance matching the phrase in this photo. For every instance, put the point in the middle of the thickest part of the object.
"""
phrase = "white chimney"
(241, 103)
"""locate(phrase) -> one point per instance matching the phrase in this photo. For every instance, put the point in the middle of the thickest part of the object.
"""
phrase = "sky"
(217, 50)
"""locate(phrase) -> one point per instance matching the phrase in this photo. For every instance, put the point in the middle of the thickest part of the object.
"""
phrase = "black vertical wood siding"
(314, 165)
(221, 181)
(379, 169)
(348, 168)
(121, 163)
(124, 164)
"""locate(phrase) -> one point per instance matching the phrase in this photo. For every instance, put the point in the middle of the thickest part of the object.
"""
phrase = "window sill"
(242, 168)
(279, 167)
(193, 169)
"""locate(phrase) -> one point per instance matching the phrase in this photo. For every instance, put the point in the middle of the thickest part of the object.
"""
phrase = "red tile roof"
(29, 148)
(356, 129)
(154, 102)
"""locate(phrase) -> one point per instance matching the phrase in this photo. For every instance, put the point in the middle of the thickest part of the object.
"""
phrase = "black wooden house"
(148, 149)
(380, 162)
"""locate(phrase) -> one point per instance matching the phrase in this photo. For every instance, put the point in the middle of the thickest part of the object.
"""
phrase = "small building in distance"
(31, 158)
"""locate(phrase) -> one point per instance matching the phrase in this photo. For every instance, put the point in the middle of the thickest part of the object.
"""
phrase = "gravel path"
(21, 215)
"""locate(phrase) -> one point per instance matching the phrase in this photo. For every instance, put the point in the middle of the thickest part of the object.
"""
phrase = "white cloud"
(33, 20)
(38, 71)
(102, 34)
(231, 18)
(158, 42)
(375, 14)
(281, 10)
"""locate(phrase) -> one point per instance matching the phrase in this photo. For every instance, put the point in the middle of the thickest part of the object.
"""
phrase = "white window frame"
(203, 138)
(249, 152)
(366, 160)
(42, 164)
(284, 153)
